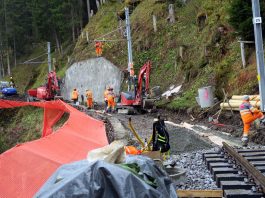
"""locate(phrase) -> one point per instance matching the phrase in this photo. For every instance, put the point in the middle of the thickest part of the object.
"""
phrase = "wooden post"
(101, 2)
(68, 59)
(91, 13)
(104, 1)
(121, 29)
(154, 23)
(181, 49)
(171, 15)
(242, 47)
(206, 53)
(175, 65)
(87, 39)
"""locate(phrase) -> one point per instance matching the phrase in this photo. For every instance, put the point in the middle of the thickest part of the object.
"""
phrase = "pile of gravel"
(197, 175)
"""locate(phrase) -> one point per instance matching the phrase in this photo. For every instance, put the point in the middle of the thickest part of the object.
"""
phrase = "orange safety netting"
(25, 168)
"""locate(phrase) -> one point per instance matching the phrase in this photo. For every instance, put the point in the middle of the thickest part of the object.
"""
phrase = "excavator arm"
(143, 82)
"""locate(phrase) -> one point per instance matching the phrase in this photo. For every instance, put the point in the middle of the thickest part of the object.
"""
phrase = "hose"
(135, 133)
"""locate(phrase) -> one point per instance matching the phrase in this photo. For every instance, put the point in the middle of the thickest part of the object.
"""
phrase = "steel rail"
(258, 177)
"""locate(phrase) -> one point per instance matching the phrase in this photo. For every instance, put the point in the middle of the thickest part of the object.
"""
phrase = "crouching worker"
(160, 137)
(248, 115)
(89, 97)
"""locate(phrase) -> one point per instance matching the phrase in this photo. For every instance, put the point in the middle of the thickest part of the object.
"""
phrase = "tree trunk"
(88, 10)
(73, 24)
(98, 5)
(15, 53)
(57, 42)
(8, 63)
(1, 65)
(81, 15)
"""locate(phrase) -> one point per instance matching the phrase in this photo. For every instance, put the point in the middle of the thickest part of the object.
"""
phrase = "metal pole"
(242, 47)
(129, 39)
(49, 57)
(129, 42)
(259, 51)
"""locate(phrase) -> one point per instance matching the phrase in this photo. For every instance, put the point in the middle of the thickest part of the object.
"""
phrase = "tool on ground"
(159, 138)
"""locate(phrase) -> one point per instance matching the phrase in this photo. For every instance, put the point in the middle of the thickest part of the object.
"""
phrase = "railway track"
(238, 172)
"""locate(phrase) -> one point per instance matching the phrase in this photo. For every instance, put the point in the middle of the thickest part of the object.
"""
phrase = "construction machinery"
(49, 91)
(137, 99)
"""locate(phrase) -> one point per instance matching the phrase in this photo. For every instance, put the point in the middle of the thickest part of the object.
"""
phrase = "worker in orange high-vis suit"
(111, 101)
(89, 97)
(99, 47)
(248, 114)
(75, 95)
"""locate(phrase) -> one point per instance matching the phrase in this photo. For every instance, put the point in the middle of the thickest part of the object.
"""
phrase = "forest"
(27, 23)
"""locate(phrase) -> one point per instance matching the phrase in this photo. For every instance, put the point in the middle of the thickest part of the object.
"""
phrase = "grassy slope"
(221, 68)
(25, 124)
(19, 125)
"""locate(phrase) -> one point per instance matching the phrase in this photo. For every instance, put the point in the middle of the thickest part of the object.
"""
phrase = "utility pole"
(129, 42)
(259, 51)
(49, 56)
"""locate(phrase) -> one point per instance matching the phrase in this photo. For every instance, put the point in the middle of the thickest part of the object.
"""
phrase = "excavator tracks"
(238, 172)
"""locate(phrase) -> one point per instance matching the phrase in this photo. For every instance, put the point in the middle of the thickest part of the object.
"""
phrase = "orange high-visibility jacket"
(247, 109)
(75, 95)
(111, 96)
(89, 94)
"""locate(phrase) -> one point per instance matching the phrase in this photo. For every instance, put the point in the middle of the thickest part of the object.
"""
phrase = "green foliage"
(240, 12)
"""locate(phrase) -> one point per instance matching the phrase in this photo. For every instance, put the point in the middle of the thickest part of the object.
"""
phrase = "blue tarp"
(104, 180)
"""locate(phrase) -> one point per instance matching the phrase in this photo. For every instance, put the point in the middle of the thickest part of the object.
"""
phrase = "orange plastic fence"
(25, 168)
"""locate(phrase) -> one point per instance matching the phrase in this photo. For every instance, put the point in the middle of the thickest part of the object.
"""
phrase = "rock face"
(94, 74)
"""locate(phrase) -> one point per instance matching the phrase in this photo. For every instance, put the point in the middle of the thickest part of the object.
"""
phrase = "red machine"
(47, 91)
(138, 98)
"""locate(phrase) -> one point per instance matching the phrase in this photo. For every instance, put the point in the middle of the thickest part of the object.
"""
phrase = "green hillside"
(192, 51)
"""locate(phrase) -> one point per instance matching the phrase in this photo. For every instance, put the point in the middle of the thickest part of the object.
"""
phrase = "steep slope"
(200, 49)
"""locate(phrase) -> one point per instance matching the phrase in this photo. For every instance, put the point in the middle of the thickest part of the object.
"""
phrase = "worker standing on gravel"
(248, 114)
(75, 95)
(160, 136)
(111, 100)
(99, 47)
(89, 97)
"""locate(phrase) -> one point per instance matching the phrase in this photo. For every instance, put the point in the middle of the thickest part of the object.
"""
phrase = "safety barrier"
(25, 168)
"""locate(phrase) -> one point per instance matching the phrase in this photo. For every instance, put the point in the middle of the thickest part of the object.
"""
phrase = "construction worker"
(160, 136)
(99, 47)
(75, 95)
(11, 82)
(106, 92)
(111, 100)
(89, 97)
(248, 114)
